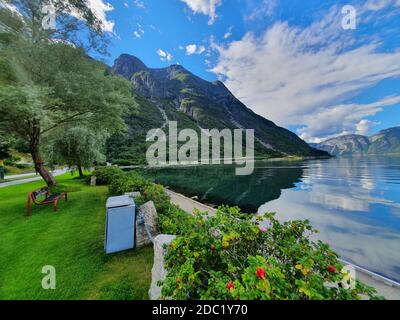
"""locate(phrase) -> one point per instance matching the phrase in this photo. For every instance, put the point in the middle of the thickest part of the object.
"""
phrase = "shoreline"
(200, 163)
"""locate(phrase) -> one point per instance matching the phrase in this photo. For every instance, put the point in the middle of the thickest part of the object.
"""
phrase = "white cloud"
(364, 126)
(290, 75)
(194, 49)
(375, 5)
(228, 34)
(139, 4)
(8, 6)
(342, 119)
(265, 9)
(164, 55)
(100, 9)
(138, 33)
(206, 7)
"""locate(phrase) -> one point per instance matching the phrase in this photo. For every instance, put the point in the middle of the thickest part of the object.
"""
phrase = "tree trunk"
(80, 171)
(39, 165)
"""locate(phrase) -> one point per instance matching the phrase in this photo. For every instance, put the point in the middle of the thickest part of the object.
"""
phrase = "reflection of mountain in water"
(220, 185)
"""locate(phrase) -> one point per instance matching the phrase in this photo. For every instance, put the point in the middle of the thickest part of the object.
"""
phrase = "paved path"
(16, 182)
(17, 176)
(188, 204)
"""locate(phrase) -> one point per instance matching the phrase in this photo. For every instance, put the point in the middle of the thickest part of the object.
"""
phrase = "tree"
(4, 148)
(48, 86)
(77, 147)
(31, 18)
(35, 58)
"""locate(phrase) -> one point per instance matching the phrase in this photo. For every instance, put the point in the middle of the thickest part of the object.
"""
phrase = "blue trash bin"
(120, 224)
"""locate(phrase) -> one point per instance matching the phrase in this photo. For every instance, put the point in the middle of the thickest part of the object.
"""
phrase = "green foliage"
(157, 194)
(104, 175)
(4, 148)
(77, 147)
(129, 148)
(28, 23)
(229, 256)
(182, 77)
(58, 87)
(127, 182)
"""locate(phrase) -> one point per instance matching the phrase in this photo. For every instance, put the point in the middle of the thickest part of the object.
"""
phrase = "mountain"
(385, 142)
(175, 94)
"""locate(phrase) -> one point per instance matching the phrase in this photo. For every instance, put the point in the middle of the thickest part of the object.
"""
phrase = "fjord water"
(354, 202)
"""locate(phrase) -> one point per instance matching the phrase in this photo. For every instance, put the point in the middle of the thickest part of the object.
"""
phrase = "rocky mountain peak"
(127, 65)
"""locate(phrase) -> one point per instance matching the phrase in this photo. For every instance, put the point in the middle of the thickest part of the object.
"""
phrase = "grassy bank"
(71, 241)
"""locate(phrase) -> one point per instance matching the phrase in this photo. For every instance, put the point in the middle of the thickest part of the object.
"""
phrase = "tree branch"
(64, 121)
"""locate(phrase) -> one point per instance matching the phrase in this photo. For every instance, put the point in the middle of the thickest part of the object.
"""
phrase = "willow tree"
(46, 87)
(77, 147)
(47, 81)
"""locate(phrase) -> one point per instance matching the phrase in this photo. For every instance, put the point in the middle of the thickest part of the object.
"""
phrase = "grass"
(71, 240)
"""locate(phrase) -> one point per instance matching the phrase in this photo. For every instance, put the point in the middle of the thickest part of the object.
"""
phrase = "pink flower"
(262, 230)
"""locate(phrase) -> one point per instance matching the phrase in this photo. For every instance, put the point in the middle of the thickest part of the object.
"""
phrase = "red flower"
(260, 273)
(332, 269)
(230, 286)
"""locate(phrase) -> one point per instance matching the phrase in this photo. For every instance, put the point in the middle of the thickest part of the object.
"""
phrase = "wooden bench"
(49, 198)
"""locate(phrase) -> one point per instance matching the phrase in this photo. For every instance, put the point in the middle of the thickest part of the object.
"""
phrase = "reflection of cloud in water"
(332, 195)
(367, 183)
(341, 201)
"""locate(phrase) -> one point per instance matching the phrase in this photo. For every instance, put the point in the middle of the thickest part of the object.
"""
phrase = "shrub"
(104, 175)
(174, 220)
(128, 182)
(9, 162)
(22, 166)
(156, 193)
(229, 256)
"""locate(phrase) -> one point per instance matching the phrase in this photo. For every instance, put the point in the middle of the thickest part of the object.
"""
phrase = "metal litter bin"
(120, 224)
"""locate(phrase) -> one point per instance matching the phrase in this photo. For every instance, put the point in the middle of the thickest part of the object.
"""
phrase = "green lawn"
(71, 240)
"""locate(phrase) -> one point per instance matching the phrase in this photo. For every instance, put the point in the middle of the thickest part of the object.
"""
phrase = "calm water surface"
(354, 202)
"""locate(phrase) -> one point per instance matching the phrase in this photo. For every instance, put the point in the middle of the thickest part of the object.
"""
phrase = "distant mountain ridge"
(175, 94)
(384, 142)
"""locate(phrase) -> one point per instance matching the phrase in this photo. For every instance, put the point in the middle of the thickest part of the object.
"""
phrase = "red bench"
(49, 198)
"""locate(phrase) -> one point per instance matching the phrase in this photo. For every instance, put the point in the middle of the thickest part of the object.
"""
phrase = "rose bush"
(229, 256)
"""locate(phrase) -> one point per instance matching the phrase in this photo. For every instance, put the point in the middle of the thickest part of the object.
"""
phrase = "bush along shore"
(231, 256)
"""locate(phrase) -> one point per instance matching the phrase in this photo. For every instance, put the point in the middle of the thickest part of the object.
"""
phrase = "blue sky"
(290, 61)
